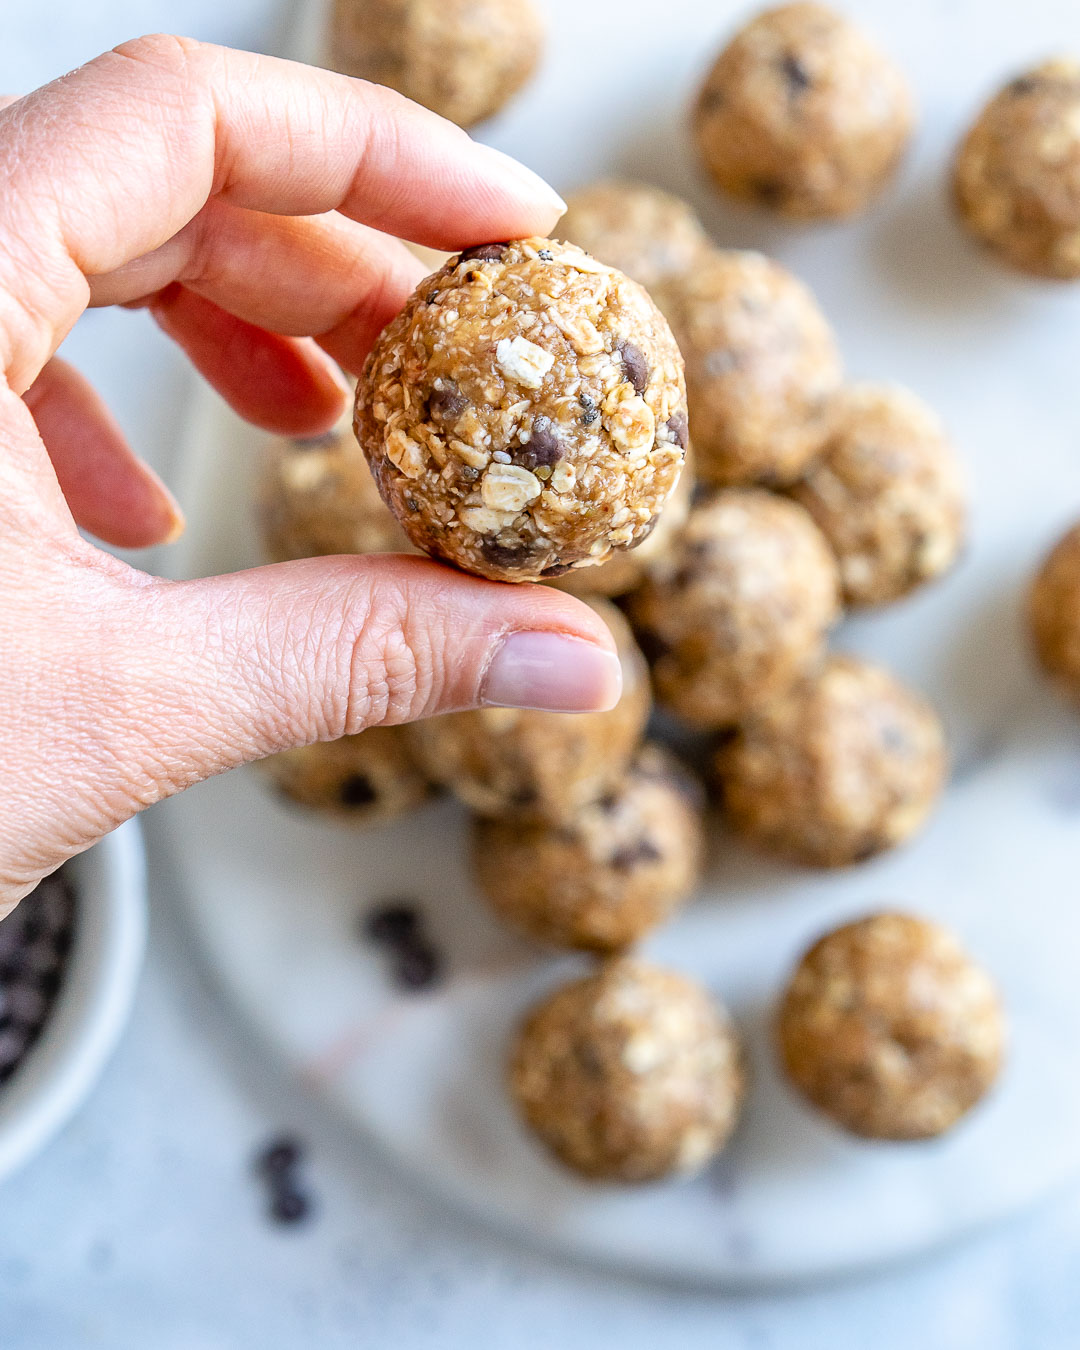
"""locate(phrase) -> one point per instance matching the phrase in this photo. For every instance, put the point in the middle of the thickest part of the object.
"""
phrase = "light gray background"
(140, 1226)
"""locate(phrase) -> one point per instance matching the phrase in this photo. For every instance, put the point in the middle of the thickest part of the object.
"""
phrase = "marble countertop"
(141, 1225)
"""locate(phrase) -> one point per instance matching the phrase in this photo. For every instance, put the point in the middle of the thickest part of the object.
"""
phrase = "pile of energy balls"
(528, 417)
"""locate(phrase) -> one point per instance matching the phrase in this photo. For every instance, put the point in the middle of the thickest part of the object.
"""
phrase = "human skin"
(248, 203)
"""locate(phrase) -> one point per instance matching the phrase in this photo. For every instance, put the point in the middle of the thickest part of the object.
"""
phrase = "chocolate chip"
(1023, 84)
(412, 504)
(484, 253)
(417, 966)
(14, 1043)
(393, 922)
(356, 791)
(289, 1205)
(446, 405)
(469, 474)
(542, 448)
(635, 366)
(26, 1006)
(545, 255)
(797, 76)
(628, 858)
(608, 802)
(590, 412)
(505, 555)
(557, 570)
(281, 1156)
(768, 191)
(679, 427)
(711, 99)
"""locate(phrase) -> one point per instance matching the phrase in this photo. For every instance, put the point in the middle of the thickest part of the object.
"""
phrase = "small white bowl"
(92, 1004)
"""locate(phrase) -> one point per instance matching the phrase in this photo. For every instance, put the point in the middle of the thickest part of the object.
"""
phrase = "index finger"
(109, 162)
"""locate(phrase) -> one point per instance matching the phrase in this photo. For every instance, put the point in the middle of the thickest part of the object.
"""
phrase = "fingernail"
(552, 673)
(535, 188)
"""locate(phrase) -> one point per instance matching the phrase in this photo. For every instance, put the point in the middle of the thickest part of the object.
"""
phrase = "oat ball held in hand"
(363, 779)
(887, 492)
(649, 234)
(539, 765)
(802, 113)
(631, 1074)
(739, 609)
(463, 59)
(761, 366)
(847, 764)
(889, 1028)
(318, 497)
(1054, 614)
(1016, 179)
(601, 880)
(526, 412)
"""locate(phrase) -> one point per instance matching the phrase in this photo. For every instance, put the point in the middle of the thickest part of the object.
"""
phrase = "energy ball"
(649, 234)
(366, 778)
(847, 764)
(739, 610)
(463, 59)
(539, 765)
(1016, 179)
(802, 113)
(887, 493)
(318, 497)
(890, 1029)
(626, 570)
(526, 412)
(631, 1074)
(1054, 614)
(602, 879)
(761, 367)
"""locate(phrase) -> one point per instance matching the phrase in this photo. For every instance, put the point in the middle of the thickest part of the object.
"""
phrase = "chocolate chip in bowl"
(70, 955)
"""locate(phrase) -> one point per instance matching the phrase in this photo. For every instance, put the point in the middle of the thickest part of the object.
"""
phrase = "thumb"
(233, 668)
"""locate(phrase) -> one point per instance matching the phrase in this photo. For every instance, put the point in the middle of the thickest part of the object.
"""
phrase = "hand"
(249, 204)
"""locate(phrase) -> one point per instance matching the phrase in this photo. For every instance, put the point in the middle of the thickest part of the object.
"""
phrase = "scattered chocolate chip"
(393, 922)
(635, 366)
(557, 570)
(356, 791)
(545, 255)
(797, 76)
(417, 966)
(590, 412)
(280, 1157)
(701, 492)
(710, 100)
(542, 448)
(289, 1205)
(484, 253)
(679, 427)
(505, 555)
(469, 473)
(412, 504)
(446, 405)
(1023, 84)
(608, 802)
(626, 859)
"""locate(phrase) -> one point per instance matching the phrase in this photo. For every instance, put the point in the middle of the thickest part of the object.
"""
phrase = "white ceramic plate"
(92, 1005)
(275, 896)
